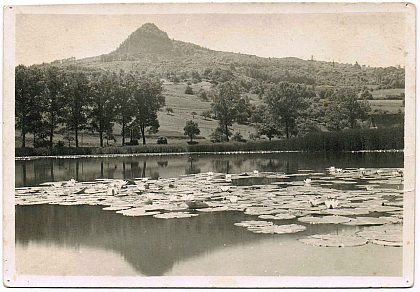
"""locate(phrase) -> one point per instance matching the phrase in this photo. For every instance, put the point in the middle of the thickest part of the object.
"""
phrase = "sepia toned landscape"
(180, 157)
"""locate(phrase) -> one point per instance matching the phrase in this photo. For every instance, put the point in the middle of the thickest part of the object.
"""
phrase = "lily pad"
(173, 215)
(368, 221)
(348, 211)
(137, 212)
(324, 220)
(214, 209)
(253, 223)
(387, 243)
(281, 216)
(329, 240)
(277, 229)
(390, 233)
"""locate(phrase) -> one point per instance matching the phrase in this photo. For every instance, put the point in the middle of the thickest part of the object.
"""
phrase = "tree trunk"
(52, 130)
(269, 138)
(191, 137)
(76, 136)
(23, 133)
(23, 138)
(123, 133)
(144, 169)
(51, 135)
(227, 133)
(287, 130)
(143, 135)
(34, 139)
(101, 139)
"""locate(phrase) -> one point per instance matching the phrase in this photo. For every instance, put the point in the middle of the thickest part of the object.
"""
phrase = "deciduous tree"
(191, 130)
(77, 94)
(148, 99)
(286, 103)
(226, 105)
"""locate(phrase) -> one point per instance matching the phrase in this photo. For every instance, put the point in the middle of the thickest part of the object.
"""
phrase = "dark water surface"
(34, 172)
(58, 240)
(86, 240)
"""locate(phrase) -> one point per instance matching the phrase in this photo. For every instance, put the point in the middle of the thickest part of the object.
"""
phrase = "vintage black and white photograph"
(209, 145)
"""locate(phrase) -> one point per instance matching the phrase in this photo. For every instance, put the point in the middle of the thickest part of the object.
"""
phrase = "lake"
(87, 240)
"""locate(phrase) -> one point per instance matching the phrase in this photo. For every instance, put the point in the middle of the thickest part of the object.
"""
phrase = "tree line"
(289, 109)
(48, 99)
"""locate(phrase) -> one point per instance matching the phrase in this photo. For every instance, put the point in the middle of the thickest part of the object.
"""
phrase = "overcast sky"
(371, 39)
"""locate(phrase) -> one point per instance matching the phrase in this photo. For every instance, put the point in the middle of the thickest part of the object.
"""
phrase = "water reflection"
(150, 245)
(30, 173)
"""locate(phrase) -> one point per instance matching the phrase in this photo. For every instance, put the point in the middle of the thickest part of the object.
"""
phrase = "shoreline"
(157, 154)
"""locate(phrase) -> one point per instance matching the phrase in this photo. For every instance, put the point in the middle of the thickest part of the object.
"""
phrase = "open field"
(386, 106)
(184, 105)
(387, 93)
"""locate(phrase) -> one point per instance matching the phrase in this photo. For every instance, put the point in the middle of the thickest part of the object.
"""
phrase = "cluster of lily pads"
(296, 200)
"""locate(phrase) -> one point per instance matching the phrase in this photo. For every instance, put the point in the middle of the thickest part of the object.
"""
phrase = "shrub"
(202, 94)
(162, 140)
(207, 114)
(41, 143)
(254, 136)
(133, 142)
(237, 137)
(189, 90)
(348, 140)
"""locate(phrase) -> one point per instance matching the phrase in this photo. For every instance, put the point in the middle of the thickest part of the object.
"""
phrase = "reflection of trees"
(162, 163)
(154, 174)
(150, 245)
(167, 241)
(52, 170)
(136, 170)
(286, 164)
(30, 173)
(191, 168)
(238, 162)
(24, 172)
(77, 170)
(220, 165)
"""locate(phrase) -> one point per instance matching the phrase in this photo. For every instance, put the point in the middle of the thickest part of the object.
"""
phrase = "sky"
(374, 39)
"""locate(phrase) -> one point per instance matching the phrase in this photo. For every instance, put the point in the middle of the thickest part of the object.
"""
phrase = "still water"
(34, 172)
(86, 240)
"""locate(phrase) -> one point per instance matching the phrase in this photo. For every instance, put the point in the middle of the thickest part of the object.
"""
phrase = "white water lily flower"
(307, 181)
(228, 177)
(331, 169)
(331, 203)
(255, 172)
(232, 199)
(71, 183)
(111, 191)
(225, 188)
